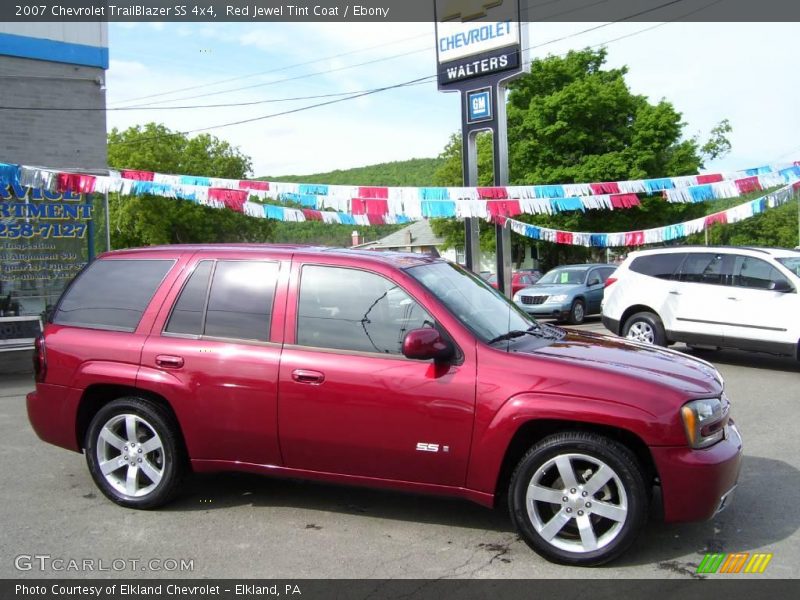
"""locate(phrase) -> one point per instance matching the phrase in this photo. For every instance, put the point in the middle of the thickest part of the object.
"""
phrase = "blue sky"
(710, 71)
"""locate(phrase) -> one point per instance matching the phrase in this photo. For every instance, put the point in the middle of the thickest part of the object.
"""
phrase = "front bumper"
(545, 311)
(697, 484)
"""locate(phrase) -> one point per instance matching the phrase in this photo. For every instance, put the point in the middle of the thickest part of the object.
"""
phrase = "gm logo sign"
(465, 10)
(479, 105)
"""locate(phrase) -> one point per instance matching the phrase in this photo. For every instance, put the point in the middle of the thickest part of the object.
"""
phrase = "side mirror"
(427, 344)
(781, 285)
(594, 281)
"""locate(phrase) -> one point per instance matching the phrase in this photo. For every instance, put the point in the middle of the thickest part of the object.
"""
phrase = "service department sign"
(477, 38)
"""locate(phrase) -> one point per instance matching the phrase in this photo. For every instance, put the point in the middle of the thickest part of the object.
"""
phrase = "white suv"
(743, 298)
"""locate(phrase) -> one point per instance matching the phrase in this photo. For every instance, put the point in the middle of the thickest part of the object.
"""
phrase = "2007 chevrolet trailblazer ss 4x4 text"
(383, 369)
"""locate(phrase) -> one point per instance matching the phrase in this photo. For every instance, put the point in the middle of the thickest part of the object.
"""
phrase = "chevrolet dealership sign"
(456, 40)
(475, 38)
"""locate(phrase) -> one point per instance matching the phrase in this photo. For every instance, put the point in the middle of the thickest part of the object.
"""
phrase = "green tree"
(718, 145)
(154, 147)
(147, 220)
(570, 120)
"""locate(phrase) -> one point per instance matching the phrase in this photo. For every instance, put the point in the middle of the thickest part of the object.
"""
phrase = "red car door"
(214, 352)
(350, 402)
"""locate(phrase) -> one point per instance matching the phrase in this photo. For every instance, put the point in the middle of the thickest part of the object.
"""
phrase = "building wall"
(60, 65)
(58, 139)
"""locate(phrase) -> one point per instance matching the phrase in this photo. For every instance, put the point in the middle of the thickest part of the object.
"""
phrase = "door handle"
(733, 298)
(169, 362)
(675, 292)
(305, 376)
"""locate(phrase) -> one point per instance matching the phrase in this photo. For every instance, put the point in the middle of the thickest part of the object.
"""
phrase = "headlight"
(516, 297)
(705, 421)
(556, 298)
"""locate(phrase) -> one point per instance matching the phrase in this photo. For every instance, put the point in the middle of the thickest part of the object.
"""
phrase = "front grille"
(533, 299)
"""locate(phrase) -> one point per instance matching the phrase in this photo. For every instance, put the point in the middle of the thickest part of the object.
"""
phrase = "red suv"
(391, 370)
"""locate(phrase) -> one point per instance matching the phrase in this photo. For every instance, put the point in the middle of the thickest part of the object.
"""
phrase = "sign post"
(479, 48)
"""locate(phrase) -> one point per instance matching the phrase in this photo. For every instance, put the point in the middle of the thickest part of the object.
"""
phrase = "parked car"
(743, 298)
(383, 369)
(567, 293)
(519, 280)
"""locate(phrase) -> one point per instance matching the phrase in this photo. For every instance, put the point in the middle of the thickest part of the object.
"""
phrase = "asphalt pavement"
(235, 525)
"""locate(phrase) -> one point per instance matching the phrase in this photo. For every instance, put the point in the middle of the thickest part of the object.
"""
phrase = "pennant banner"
(398, 204)
(659, 234)
(366, 205)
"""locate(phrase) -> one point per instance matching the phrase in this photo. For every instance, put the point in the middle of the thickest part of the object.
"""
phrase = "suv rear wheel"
(645, 327)
(134, 453)
(578, 498)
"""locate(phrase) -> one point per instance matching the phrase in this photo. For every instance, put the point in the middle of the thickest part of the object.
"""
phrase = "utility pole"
(480, 72)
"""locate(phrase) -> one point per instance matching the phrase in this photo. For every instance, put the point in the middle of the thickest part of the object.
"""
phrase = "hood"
(653, 364)
(548, 289)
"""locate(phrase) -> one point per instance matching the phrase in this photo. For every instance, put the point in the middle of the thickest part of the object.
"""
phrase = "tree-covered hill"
(413, 172)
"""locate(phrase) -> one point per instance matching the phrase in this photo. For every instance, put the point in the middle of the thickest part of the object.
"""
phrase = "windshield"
(481, 308)
(793, 264)
(564, 276)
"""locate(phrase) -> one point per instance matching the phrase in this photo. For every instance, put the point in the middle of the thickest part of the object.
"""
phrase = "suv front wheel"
(578, 498)
(134, 453)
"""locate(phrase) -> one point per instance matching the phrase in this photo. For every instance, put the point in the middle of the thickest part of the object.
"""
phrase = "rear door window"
(238, 304)
(703, 267)
(189, 312)
(111, 294)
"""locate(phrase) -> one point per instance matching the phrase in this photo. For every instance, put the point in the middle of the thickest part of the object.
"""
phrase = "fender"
(93, 372)
(491, 442)
(169, 387)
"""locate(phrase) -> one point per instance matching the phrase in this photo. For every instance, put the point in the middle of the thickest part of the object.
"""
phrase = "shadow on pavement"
(739, 358)
(752, 522)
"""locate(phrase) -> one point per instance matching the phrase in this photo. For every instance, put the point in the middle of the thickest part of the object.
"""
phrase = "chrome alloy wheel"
(130, 455)
(577, 503)
(642, 331)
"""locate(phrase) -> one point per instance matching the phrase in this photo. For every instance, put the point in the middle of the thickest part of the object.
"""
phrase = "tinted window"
(754, 273)
(240, 300)
(347, 309)
(703, 268)
(187, 315)
(111, 294)
(661, 266)
(606, 272)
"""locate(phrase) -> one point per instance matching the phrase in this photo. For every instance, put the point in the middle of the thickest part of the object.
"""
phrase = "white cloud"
(710, 71)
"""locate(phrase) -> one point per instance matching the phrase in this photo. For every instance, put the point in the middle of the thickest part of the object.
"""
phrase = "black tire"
(577, 313)
(647, 327)
(624, 494)
(156, 459)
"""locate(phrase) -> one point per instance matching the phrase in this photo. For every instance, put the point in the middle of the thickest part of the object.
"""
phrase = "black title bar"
(391, 10)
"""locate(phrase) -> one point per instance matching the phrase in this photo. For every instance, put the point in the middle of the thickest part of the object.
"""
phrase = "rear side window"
(238, 305)
(660, 266)
(347, 309)
(703, 268)
(111, 294)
